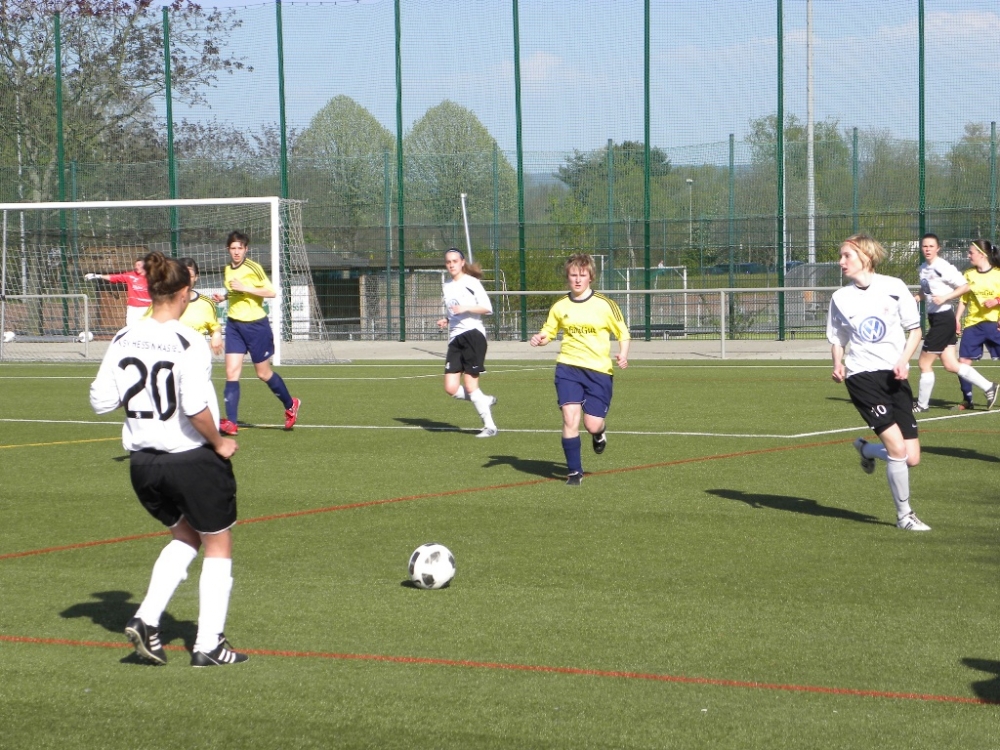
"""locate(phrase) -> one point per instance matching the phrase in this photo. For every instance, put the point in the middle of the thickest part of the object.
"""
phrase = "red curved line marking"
(429, 495)
(576, 671)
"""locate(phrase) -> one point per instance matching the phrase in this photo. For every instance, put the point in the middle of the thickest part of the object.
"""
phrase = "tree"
(449, 152)
(340, 159)
(112, 73)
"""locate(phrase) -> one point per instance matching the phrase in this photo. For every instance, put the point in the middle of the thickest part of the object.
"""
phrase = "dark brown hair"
(165, 276)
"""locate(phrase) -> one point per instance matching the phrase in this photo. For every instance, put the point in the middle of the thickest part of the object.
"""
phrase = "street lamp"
(690, 183)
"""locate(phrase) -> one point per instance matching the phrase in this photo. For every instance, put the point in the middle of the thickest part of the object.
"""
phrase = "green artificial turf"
(726, 577)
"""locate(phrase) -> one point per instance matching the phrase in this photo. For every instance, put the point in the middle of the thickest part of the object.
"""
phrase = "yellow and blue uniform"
(587, 326)
(201, 315)
(246, 306)
(982, 286)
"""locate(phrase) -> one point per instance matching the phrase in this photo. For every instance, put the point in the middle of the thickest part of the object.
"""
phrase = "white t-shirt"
(939, 277)
(872, 322)
(160, 373)
(468, 292)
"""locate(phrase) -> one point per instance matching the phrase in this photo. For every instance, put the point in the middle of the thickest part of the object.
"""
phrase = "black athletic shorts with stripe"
(197, 484)
(883, 401)
(467, 353)
(940, 331)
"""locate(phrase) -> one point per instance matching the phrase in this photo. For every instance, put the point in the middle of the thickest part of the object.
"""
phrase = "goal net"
(50, 311)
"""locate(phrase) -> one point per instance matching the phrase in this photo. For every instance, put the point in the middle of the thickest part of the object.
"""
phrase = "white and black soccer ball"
(9, 336)
(85, 336)
(432, 566)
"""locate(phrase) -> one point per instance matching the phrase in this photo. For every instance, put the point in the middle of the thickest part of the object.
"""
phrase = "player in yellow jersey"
(248, 330)
(980, 307)
(584, 374)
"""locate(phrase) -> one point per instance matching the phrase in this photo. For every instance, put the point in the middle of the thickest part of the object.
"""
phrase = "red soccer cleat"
(228, 428)
(292, 414)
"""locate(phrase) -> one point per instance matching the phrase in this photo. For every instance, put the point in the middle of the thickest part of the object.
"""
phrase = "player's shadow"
(796, 505)
(429, 424)
(967, 454)
(535, 467)
(989, 689)
(112, 609)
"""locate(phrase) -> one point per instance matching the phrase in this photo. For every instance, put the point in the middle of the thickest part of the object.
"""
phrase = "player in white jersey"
(160, 372)
(941, 284)
(465, 304)
(874, 329)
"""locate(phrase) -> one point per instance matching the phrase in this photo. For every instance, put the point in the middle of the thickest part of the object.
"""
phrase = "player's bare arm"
(208, 429)
(539, 339)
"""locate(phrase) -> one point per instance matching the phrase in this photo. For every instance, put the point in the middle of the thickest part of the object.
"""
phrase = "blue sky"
(713, 66)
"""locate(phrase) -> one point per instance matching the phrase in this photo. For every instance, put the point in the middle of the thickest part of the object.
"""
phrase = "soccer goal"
(668, 313)
(49, 248)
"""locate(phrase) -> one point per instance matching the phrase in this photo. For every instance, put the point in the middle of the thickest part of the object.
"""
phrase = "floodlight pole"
(690, 183)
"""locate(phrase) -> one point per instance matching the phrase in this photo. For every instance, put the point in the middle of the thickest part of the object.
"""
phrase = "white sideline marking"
(646, 433)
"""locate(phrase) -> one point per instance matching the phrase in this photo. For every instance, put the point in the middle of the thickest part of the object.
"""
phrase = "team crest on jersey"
(872, 330)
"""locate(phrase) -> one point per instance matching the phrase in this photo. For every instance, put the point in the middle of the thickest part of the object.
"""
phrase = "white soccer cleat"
(910, 522)
(487, 432)
(868, 464)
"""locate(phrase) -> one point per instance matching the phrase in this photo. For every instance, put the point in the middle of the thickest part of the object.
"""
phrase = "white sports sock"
(968, 372)
(460, 394)
(925, 388)
(875, 450)
(482, 402)
(898, 474)
(214, 587)
(169, 570)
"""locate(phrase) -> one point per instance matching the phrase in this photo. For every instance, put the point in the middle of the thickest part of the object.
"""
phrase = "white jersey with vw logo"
(872, 323)
(160, 373)
(467, 292)
(939, 277)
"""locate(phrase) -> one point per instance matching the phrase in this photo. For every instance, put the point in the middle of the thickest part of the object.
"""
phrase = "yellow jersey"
(246, 306)
(200, 314)
(587, 326)
(982, 286)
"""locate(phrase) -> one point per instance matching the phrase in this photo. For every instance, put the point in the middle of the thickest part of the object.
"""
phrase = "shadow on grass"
(429, 424)
(796, 505)
(114, 608)
(967, 454)
(545, 469)
(988, 690)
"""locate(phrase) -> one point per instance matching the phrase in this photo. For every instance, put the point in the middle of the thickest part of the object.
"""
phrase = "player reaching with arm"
(248, 330)
(584, 374)
(137, 299)
(465, 303)
(160, 372)
(979, 311)
(876, 322)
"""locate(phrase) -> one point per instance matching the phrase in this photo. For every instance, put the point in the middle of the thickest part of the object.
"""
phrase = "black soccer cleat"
(222, 656)
(600, 442)
(146, 640)
(575, 479)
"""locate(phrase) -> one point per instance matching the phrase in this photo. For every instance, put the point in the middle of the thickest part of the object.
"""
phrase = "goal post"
(49, 248)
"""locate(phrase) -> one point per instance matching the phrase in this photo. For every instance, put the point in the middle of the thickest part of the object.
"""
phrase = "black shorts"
(883, 401)
(940, 331)
(198, 484)
(467, 353)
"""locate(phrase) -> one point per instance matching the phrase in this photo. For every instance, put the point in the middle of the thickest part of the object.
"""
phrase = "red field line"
(538, 668)
(429, 495)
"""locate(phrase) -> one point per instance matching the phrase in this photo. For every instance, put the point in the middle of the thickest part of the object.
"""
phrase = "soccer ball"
(9, 336)
(432, 566)
(85, 336)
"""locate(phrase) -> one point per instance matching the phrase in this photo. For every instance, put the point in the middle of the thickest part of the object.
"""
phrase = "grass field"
(726, 577)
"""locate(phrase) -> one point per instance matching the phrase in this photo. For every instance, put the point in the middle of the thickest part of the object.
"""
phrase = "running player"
(160, 372)
(137, 299)
(465, 304)
(879, 318)
(940, 285)
(584, 374)
(978, 314)
(248, 330)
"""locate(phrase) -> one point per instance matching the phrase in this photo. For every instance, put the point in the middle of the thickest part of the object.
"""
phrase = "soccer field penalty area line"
(540, 669)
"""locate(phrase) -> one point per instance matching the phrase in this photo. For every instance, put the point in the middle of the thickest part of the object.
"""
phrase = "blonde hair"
(582, 261)
(869, 249)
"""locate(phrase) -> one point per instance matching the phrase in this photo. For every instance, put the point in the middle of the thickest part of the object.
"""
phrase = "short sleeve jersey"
(983, 285)
(939, 277)
(245, 306)
(201, 315)
(137, 289)
(872, 322)
(161, 374)
(466, 291)
(587, 327)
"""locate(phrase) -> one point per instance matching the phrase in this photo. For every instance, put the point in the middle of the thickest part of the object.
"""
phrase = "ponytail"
(164, 276)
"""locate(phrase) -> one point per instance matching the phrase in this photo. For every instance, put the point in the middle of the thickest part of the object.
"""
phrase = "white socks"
(461, 395)
(925, 388)
(875, 450)
(214, 587)
(898, 474)
(169, 571)
(968, 372)
(482, 402)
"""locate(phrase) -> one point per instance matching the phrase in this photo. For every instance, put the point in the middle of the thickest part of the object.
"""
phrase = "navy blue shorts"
(578, 385)
(254, 337)
(978, 336)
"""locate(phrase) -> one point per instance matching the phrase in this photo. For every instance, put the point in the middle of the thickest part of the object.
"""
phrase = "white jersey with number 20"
(160, 373)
